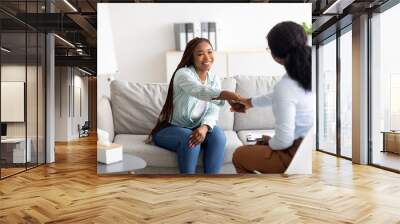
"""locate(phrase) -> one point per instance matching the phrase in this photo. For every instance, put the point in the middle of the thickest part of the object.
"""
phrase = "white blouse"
(294, 111)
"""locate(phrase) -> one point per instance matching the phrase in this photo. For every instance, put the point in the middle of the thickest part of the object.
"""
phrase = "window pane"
(385, 89)
(14, 146)
(346, 94)
(31, 100)
(23, 87)
(327, 97)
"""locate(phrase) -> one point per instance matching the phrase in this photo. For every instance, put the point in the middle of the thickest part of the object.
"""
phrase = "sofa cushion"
(255, 118)
(104, 119)
(243, 135)
(232, 143)
(136, 106)
(226, 117)
(159, 157)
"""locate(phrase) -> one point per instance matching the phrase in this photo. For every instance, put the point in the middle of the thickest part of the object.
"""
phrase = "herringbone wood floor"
(70, 191)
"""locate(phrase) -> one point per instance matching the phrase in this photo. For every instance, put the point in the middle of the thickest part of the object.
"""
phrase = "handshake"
(241, 105)
(237, 102)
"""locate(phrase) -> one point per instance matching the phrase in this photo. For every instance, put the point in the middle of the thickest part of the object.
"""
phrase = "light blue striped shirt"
(294, 111)
(188, 90)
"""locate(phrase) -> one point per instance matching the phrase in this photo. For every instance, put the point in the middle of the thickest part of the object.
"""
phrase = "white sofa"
(133, 108)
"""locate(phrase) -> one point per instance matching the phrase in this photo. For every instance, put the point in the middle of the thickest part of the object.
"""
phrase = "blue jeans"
(176, 139)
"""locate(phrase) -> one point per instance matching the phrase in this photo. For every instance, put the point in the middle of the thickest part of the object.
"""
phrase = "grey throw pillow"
(136, 106)
(255, 118)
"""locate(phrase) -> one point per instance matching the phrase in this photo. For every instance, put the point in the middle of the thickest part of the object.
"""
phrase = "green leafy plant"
(307, 28)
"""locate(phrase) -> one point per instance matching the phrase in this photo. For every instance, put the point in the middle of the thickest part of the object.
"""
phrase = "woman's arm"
(246, 103)
(211, 117)
(262, 100)
(189, 84)
(228, 95)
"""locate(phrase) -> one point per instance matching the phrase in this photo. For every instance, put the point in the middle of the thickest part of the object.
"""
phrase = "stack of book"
(185, 32)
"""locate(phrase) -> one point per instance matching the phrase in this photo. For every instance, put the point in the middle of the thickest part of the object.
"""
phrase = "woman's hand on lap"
(198, 136)
(264, 141)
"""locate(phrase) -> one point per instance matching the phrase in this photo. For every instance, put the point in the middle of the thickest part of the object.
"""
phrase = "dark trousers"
(261, 158)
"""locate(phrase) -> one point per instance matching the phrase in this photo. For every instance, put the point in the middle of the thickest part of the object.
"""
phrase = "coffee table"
(128, 165)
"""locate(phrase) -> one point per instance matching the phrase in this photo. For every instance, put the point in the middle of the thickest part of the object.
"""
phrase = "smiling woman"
(187, 122)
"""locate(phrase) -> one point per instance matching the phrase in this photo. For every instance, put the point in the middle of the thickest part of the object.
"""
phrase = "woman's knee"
(238, 153)
(175, 137)
(186, 133)
(217, 136)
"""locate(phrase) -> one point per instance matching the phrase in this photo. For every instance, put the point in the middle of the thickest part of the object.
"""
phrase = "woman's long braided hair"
(168, 109)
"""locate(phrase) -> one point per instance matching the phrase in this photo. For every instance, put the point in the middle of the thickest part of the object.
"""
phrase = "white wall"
(33, 126)
(62, 81)
(15, 72)
(66, 119)
(143, 33)
(80, 82)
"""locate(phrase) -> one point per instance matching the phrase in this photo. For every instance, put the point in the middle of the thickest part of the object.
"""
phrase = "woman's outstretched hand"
(241, 105)
(197, 137)
(228, 95)
(236, 106)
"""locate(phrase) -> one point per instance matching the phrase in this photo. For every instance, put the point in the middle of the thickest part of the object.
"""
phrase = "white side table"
(18, 147)
(129, 164)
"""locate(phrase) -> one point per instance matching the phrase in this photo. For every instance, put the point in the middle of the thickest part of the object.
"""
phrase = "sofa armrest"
(105, 117)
